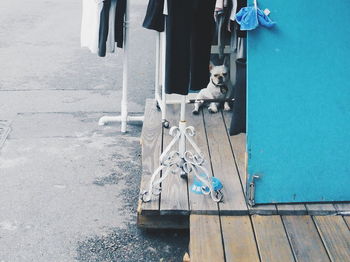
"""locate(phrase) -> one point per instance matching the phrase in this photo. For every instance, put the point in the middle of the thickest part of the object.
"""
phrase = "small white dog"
(218, 88)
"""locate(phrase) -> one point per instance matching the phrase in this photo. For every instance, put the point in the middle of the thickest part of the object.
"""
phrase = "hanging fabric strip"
(110, 45)
(104, 27)
(119, 22)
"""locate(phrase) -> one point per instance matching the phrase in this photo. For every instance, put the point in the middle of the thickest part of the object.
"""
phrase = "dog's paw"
(227, 108)
(195, 112)
(212, 109)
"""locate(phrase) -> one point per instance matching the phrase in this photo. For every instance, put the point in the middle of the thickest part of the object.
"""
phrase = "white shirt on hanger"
(90, 24)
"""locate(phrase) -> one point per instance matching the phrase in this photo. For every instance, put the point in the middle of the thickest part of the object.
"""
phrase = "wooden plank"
(205, 239)
(223, 165)
(343, 208)
(238, 147)
(163, 222)
(239, 241)
(200, 204)
(174, 198)
(321, 209)
(335, 235)
(305, 241)
(291, 209)
(263, 210)
(151, 141)
(347, 220)
(272, 239)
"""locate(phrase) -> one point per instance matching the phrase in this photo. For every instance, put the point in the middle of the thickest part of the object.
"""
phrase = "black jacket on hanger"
(154, 18)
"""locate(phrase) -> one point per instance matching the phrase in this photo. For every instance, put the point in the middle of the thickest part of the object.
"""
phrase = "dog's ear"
(211, 65)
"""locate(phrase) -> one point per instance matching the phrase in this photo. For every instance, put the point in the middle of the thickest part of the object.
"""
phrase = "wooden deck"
(232, 230)
(225, 157)
(273, 238)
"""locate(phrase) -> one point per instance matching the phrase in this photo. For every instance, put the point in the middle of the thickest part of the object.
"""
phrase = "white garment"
(90, 24)
(165, 10)
(110, 44)
(234, 10)
(241, 48)
(220, 4)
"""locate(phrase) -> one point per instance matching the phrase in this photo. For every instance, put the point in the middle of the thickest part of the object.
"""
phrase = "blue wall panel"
(299, 102)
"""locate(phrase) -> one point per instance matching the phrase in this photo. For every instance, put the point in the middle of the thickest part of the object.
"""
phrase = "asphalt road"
(69, 188)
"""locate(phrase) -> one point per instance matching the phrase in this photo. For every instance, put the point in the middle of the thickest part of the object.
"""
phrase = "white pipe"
(182, 127)
(109, 119)
(159, 101)
(124, 102)
(183, 109)
(156, 85)
(163, 54)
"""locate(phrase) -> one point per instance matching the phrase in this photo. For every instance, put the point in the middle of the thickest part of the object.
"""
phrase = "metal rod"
(183, 109)
(124, 102)
(163, 61)
(156, 85)
(111, 119)
(191, 101)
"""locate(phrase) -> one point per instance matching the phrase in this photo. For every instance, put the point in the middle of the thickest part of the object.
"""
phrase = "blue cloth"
(247, 17)
(264, 20)
(197, 185)
(250, 17)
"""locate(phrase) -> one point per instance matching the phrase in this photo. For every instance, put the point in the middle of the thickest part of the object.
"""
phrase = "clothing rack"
(176, 159)
(124, 117)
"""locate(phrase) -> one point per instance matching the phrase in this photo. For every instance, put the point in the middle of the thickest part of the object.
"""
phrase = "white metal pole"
(182, 127)
(183, 109)
(163, 54)
(124, 102)
(156, 87)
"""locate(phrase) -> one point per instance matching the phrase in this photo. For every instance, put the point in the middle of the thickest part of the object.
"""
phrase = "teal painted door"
(298, 105)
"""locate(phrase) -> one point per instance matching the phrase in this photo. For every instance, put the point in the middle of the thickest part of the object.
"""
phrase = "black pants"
(189, 33)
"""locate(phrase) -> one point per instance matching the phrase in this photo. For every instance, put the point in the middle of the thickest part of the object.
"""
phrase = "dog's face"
(219, 74)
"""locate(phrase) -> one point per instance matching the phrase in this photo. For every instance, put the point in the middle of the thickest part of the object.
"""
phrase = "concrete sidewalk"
(69, 188)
